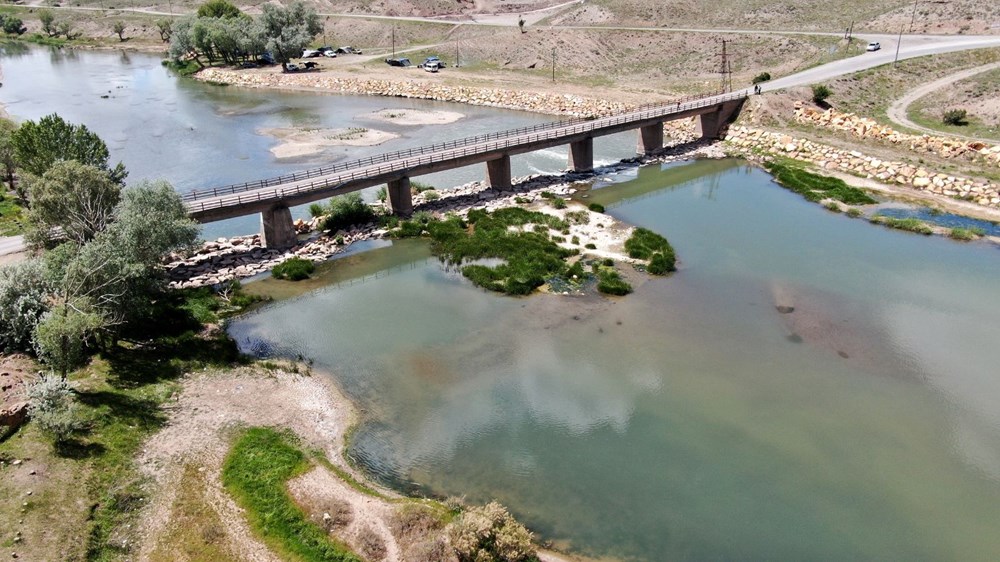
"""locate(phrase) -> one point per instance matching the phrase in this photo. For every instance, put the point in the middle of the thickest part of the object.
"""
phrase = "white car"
(330, 54)
(873, 46)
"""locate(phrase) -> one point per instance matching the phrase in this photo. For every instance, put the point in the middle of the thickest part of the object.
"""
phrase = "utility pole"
(457, 59)
(553, 64)
(725, 70)
(394, 41)
(898, 41)
(914, 16)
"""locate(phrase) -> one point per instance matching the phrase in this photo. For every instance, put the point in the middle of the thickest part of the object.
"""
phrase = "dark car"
(348, 51)
(398, 62)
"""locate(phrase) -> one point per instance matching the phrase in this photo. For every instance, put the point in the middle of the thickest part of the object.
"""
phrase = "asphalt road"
(11, 245)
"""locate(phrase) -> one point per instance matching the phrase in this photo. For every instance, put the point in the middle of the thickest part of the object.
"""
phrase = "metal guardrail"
(205, 200)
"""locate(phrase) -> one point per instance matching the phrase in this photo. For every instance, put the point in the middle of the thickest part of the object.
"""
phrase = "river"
(806, 386)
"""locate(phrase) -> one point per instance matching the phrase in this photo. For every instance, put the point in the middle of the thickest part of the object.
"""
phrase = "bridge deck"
(296, 189)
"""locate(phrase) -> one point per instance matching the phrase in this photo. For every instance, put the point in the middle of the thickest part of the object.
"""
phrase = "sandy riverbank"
(414, 117)
(297, 142)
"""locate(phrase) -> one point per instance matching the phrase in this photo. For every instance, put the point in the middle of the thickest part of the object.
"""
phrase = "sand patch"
(415, 117)
(296, 142)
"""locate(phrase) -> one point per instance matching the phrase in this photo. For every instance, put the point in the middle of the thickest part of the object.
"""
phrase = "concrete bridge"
(273, 197)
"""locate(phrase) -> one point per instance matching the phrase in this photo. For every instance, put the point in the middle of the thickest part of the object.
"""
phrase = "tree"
(165, 27)
(762, 77)
(24, 292)
(77, 198)
(119, 28)
(182, 40)
(820, 93)
(37, 146)
(289, 30)
(12, 25)
(62, 335)
(48, 19)
(957, 117)
(8, 160)
(218, 9)
(520, 23)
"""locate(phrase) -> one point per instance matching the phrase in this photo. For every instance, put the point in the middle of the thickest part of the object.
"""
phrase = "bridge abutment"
(581, 155)
(714, 125)
(276, 228)
(498, 173)
(400, 197)
(650, 139)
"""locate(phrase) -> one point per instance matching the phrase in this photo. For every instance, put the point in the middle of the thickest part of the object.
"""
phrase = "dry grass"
(195, 531)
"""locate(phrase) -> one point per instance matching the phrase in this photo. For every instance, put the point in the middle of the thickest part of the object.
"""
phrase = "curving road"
(897, 111)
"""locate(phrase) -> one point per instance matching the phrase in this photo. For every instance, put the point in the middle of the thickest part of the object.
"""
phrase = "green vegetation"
(957, 117)
(559, 203)
(909, 225)
(815, 187)
(762, 77)
(596, 207)
(182, 67)
(833, 206)
(39, 145)
(195, 531)
(644, 244)
(11, 217)
(966, 234)
(854, 213)
(255, 472)
(490, 533)
(610, 282)
(820, 92)
(345, 211)
(208, 306)
(294, 269)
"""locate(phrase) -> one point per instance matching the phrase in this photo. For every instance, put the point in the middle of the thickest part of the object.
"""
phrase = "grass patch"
(644, 244)
(255, 472)
(815, 187)
(854, 213)
(909, 225)
(11, 217)
(610, 282)
(294, 269)
(966, 234)
(195, 531)
(208, 306)
(182, 68)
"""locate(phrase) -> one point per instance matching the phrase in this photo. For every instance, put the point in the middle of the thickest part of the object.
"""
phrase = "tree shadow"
(76, 449)
(140, 413)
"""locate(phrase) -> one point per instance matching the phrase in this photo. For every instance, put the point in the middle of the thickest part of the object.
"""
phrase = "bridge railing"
(377, 167)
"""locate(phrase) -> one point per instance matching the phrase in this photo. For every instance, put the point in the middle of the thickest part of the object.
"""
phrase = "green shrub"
(548, 195)
(596, 207)
(833, 206)
(966, 234)
(661, 264)
(956, 117)
(909, 225)
(854, 213)
(51, 406)
(559, 203)
(578, 217)
(419, 187)
(575, 240)
(382, 194)
(610, 283)
(520, 200)
(490, 533)
(815, 187)
(608, 262)
(316, 210)
(346, 211)
(293, 269)
(590, 246)
(762, 77)
(820, 93)
(432, 196)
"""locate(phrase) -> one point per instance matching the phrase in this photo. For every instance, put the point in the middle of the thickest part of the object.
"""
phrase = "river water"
(806, 386)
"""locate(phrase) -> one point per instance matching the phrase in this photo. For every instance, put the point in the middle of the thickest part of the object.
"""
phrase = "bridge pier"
(400, 198)
(498, 173)
(276, 228)
(715, 124)
(581, 155)
(650, 139)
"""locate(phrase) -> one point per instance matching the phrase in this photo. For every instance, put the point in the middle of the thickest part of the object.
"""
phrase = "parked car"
(324, 49)
(348, 51)
(436, 62)
(291, 67)
(310, 65)
(398, 62)
(432, 66)
(309, 53)
(873, 46)
(330, 54)
(267, 58)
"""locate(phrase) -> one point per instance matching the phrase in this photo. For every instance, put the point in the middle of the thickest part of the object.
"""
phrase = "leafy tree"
(48, 20)
(165, 27)
(820, 93)
(762, 77)
(66, 28)
(24, 291)
(63, 333)
(218, 9)
(51, 406)
(8, 159)
(38, 146)
(182, 40)
(289, 29)
(12, 25)
(77, 198)
(119, 28)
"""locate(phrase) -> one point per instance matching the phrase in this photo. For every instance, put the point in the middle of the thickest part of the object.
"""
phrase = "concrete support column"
(581, 155)
(650, 139)
(498, 172)
(715, 124)
(710, 125)
(276, 228)
(400, 198)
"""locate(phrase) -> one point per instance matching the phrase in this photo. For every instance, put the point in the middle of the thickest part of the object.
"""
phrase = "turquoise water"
(806, 386)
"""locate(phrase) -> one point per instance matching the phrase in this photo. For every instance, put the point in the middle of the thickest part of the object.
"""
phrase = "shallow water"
(807, 386)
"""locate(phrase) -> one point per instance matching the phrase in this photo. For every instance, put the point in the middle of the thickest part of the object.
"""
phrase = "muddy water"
(807, 386)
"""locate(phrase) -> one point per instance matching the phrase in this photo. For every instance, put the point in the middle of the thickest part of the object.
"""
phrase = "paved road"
(11, 245)
(897, 111)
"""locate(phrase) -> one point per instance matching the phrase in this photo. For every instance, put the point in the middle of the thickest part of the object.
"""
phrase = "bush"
(346, 211)
(966, 234)
(23, 300)
(833, 206)
(596, 207)
(293, 269)
(820, 93)
(854, 213)
(610, 283)
(559, 203)
(316, 210)
(909, 225)
(432, 196)
(490, 533)
(957, 117)
(51, 406)
(590, 246)
(815, 187)
(762, 77)
(660, 264)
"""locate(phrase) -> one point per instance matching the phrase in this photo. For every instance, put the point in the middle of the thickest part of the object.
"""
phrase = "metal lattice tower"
(725, 69)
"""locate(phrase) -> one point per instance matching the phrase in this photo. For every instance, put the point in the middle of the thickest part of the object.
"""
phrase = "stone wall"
(749, 141)
(864, 127)
(555, 104)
